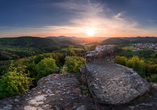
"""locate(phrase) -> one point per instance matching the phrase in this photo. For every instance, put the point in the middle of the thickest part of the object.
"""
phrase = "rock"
(101, 54)
(54, 92)
(110, 83)
(48, 96)
(83, 74)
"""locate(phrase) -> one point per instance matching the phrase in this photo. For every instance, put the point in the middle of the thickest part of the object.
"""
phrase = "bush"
(121, 60)
(129, 63)
(13, 82)
(45, 67)
(70, 51)
(152, 78)
(74, 63)
(136, 64)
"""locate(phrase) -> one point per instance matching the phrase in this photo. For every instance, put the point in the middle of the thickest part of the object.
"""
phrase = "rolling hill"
(29, 42)
(19, 47)
(114, 41)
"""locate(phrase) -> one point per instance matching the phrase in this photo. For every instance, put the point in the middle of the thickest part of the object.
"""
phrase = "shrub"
(13, 82)
(136, 64)
(74, 63)
(70, 51)
(45, 67)
(121, 60)
(152, 78)
(129, 63)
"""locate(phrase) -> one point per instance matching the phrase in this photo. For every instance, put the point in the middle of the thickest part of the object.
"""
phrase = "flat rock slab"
(115, 84)
(54, 92)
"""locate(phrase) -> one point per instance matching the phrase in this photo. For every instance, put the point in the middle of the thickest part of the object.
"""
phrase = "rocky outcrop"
(101, 54)
(54, 92)
(63, 92)
(110, 83)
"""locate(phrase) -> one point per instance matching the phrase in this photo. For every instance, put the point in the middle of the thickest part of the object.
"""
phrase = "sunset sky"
(104, 18)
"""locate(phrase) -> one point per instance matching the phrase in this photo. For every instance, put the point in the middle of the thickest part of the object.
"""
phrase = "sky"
(79, 18)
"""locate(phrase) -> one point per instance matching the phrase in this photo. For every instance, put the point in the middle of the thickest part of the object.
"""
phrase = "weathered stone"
(54, 92)
(72, 98)
(101, 54)
(83, 74)
(110, 83)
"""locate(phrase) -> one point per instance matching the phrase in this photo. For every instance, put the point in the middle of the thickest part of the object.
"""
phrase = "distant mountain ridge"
(29, 41)
(125, 40)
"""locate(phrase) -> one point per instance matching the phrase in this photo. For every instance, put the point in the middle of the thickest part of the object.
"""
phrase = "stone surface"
(67, 96)
(114, 86)
(101, 54)
(54, 92)
(110, 83)
(83, 72)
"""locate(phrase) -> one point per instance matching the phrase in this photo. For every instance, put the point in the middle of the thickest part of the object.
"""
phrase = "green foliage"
(121, 60)
(20, 47)
(13, 82)
(70, 51)
(74, 63)
(38, 59)
(154, 55)
(136, 64)
(115, 41)
(152, 68)
(129, 63)
(128, 53)
(152, 78)
(149, 71)
(146, 53)
(86, 90)
(64, 70)
(45, 67)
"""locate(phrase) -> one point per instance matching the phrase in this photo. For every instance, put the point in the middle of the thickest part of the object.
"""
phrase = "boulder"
(53, 92)
(111, 83)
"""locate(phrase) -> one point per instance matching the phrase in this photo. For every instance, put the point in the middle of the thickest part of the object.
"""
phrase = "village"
(151, 46)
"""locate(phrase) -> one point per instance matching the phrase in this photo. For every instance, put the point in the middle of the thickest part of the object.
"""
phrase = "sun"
(90, 32)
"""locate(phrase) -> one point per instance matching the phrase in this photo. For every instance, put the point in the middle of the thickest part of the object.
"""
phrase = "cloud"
(99, 18)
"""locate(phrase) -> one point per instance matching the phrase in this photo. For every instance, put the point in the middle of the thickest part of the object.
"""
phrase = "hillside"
(28, 42)
(140, 39)
(64, 39)
(126, 40)
(78, 40)
(67, 42)
(114, 41)
(19, 47)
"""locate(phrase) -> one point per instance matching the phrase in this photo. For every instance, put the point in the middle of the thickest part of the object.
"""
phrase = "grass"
(64, 49)
(87, 47)
(131, 47)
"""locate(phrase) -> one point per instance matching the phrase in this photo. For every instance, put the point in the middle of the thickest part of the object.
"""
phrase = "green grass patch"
(87, 47)
(78, 49)
(73, 48)
(131, 47)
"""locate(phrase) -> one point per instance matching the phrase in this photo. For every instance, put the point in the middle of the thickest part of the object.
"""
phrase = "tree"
(70, 51)
(45, 67)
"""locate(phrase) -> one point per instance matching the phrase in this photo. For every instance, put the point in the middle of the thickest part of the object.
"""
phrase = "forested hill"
(19, 47)
(126, 40)
(115, 41)
(29, 42)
